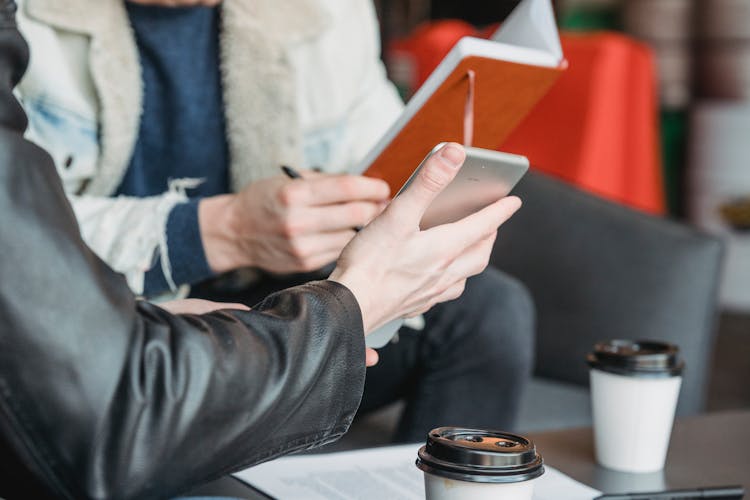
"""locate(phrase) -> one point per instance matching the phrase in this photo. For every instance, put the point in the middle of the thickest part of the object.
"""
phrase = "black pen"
(717, 493)
(290, 172)
(293, 174)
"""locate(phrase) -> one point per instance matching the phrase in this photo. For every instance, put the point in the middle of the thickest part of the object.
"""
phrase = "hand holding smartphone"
(485, 177)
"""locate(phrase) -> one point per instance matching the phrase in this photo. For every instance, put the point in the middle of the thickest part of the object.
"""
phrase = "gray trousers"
(468, 367)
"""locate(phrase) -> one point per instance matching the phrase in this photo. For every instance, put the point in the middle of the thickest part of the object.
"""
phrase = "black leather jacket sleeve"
(104, 396)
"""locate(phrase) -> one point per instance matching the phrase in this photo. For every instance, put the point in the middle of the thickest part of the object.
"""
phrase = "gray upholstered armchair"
(597, 270)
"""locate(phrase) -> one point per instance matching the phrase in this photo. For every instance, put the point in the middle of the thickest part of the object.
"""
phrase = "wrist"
(350, 281)
(219, 231)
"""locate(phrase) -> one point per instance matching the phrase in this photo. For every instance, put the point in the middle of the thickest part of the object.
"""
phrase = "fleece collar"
(259, 89)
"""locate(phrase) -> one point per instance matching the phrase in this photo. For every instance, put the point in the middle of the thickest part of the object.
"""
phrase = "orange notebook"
(476, 96)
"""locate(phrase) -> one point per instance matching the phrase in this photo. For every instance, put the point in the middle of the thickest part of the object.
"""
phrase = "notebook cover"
(504, 93)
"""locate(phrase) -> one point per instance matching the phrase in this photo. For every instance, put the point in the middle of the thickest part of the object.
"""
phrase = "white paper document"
(374, 474)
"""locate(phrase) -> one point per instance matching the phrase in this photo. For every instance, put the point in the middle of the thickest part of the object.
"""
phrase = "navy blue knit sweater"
(182, 130)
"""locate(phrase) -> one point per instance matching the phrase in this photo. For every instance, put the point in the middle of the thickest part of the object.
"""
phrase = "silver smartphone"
(485, 177)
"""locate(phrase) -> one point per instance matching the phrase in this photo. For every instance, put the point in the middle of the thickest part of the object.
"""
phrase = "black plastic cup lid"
(642, 358)
(479, 456)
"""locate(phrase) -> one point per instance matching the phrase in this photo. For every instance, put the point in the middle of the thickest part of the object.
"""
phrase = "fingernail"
(452, 155)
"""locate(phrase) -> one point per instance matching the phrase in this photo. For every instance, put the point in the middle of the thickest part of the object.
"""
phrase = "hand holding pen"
(286, 227)
(294, 174)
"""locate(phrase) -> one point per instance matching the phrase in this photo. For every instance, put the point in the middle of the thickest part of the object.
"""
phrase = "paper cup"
(634, 392)
(478, 464)
(441, 488)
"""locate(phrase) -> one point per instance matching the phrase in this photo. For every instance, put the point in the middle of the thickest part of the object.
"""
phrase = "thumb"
(435, 174)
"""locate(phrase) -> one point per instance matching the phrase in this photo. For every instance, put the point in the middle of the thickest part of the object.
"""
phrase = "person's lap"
(467, 367)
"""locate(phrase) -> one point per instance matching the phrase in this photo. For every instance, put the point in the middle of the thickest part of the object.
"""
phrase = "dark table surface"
(708, 450)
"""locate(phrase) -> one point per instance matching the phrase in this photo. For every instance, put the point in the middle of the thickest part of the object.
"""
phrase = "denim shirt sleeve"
(187, 258)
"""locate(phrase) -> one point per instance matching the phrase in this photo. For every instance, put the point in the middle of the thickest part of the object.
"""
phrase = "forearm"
(182, 260)
(102, 396)
(156, 242)
(256, 385)
(218, 225)
(147, 408)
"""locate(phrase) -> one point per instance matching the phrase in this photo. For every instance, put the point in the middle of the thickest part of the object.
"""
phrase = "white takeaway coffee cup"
(634, 391)
(478, 464)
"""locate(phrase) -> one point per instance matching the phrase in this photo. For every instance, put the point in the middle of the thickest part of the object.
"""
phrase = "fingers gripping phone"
(485, 177)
